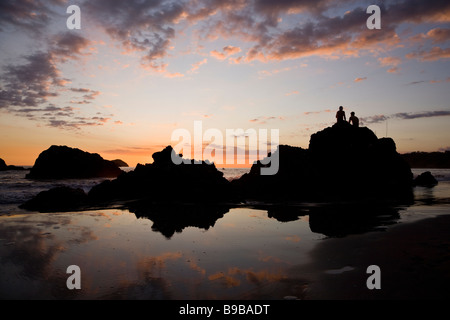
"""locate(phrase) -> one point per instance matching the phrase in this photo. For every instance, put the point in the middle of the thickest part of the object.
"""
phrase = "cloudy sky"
(137, 70)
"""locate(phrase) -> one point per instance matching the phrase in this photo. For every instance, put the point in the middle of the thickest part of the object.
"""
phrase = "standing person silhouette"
(353, 120)
(340, 115)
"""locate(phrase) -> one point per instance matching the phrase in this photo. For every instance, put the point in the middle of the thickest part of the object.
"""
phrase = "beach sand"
(414, 260)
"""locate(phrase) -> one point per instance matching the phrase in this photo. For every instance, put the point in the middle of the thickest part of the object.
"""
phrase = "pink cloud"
(391, 62)
(173, 75)
(226, 53)
(264, 120)
(307, 113)
(393, 70)
(439, 35)
(360, 79)
(197, 65)
(435, 53)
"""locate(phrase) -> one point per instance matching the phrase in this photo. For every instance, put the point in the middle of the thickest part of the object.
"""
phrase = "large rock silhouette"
(161, 182)
(342, 163)
(165, 181)
(62, 162)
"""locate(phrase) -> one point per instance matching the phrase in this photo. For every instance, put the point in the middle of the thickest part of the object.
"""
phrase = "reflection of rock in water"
(342, 220)
(169, 219)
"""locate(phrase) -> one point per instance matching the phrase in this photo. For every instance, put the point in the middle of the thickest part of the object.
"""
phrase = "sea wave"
(16, 189)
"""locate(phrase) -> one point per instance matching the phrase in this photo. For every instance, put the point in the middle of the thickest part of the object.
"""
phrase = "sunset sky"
(137, 70)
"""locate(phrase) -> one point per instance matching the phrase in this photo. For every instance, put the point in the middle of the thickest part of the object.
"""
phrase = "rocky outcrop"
(288, 183)
(161, 182)
(165, 181)
(425, 179)
(57, 199)
(62, 162)
(4, 167)
(342, 163)
(352, 162)
(120, 163)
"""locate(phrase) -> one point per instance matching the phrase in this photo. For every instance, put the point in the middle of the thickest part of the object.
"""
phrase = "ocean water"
(246, 252)
(15, 189)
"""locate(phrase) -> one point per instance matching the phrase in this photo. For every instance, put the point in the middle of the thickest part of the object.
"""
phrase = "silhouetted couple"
(340, 116)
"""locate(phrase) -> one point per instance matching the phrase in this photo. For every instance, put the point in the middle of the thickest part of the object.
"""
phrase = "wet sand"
(246, 254)
(414, 259)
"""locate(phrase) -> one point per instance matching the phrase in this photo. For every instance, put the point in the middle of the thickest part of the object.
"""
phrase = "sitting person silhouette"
(340, 115)
(353, 120)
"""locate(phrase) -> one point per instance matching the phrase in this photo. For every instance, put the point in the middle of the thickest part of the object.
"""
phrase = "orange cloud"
(218, 55)
(197, 65)
(439, 35)
(226, 53)
(389, 61)
(360, 79)
(230, 50)
(393, 70)
(392, 62)
(292, 93)
(263, 120)
(435, 53)
(173, 75)
(316, 112)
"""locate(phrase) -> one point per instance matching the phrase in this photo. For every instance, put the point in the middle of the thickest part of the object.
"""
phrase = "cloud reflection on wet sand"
(240, 253)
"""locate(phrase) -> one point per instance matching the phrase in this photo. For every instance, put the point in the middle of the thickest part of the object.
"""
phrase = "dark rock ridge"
(161, 182)
(164, 181)
(4, 167)
(120, 163)
(436, 160)
(62, 162)
(342, 163)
